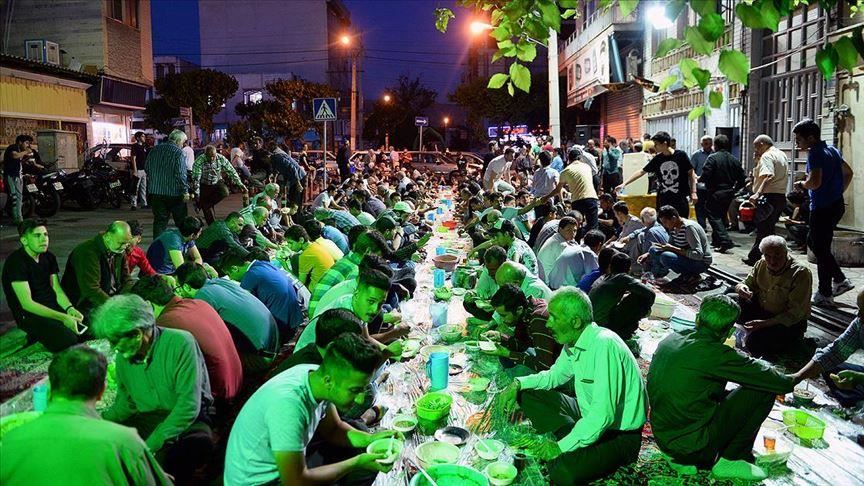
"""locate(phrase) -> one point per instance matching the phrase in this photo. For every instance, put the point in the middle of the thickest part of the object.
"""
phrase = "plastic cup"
(438, 371)
(440, 250)
(770, 441)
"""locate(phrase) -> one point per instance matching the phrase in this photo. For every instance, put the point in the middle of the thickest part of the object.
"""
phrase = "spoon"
(423, 471)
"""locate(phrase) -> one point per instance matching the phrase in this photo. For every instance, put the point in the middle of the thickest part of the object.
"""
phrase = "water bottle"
(438, 278)
(40, 397)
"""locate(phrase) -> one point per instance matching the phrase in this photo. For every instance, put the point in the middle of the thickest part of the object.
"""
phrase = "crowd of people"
(258, 335)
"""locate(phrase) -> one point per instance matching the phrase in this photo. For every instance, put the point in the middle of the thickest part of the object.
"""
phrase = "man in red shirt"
(135, 256)
(202, 321)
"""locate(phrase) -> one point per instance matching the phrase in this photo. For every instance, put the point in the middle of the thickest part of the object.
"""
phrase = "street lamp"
(446, 123)
(656, 16)
(346, 41)
(386, 100)
(477, 27)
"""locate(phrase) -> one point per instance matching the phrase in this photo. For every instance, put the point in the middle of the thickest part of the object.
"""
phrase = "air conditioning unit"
(42, 50)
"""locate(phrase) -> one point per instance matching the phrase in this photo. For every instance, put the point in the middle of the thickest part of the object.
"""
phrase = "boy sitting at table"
(272, 438)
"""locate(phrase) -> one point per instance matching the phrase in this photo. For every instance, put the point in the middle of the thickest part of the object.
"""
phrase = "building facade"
(600, 61)
(111, 39)
(256, 44)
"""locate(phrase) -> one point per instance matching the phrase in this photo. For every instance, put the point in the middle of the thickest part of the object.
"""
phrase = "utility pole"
(554, 101)
(354, 100)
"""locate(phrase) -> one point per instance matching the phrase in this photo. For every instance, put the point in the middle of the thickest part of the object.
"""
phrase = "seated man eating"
(270, 441)
(620, 301)
(597, 432)
(774, 300)
(687, 253)
(694, 419)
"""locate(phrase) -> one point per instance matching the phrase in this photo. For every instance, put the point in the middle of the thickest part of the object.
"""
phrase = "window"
(115, 9)
(253, 96)
(133, 12)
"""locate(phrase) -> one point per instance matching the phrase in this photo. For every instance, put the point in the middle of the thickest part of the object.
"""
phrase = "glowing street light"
(656, 16)
(386, 98)
(345, 40)
(477, 27)
(446, 120)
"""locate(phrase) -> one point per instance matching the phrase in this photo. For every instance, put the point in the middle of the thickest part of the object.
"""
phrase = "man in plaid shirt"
(342, 220)
(845, 380)
(364, 243)
(167, 187)
(207, 185)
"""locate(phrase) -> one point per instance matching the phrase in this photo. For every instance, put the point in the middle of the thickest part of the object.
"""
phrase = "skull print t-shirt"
(673, 177)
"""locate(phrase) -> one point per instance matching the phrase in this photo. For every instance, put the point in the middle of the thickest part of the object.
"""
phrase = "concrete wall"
(850, 131)
(74, 24)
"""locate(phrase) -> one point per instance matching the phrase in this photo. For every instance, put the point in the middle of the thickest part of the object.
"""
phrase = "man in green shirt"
(600, 429)
(163, 389)
(476, 301)
(693, 418)
(70, 443)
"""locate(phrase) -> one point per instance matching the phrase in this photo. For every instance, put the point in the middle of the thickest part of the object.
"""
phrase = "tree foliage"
(408, 98)
(498, 106)
(515, 24)
(159, 115)
(287, 110)
(204, 90)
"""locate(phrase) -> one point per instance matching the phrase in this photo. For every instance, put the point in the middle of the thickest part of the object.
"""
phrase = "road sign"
(324, 109)
(421, 121)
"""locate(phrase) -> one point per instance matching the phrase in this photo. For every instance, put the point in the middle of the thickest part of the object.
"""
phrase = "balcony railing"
(660, 64)
(590, 27)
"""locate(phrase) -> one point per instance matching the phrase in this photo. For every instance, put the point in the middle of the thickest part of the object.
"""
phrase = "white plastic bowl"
(492, 449)
(436, 452)
(501, 473)
(663, 308)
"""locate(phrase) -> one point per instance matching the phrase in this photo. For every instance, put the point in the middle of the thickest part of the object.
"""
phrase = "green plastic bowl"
(803, 425)
(426, 411)
(451, 475)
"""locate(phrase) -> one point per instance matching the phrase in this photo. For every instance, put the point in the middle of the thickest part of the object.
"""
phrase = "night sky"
(399, 37)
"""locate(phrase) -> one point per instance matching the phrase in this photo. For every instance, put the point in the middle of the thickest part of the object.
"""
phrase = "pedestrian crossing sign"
(324, 109)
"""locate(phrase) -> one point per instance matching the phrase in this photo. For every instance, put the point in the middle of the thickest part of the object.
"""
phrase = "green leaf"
(826, 60)
(442, 18)
(674, 9)
(704, 7)
(627, 6)
(847, 56)
(550, 13)
(510, 89)
(568, 3)
(687, 66)
(735, 65)
(505, 44)
(696, 112)
(702, 76)
(697, 42)
(497, 55)
(667, 82)
(502, 32)
(497, 80)
(568, 13)
(749, 15)
(667, 45)
(715, 99)
(526, 51)
(770, 15)
(712, 26)
(520, 76)
(497, 15)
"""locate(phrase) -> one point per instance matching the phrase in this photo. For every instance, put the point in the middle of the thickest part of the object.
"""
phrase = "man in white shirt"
(499, 168)
(552, 248)
(189, 153)
(575, 261)
(601, 429)
(476, 301)
(769, 182)
(517, 274)
(546, 178)
(269, 439)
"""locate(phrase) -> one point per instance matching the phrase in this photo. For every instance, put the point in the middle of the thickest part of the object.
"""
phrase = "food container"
(501, 473)
(383, 445)
(450, 224)
(445, 262)
(471, 345)
(489, 449)
(427, 350)
(404, 423)
(451, 333)
(451, 475)
(464, 277)
(803, 425)
(430, 454)
(434, 406)
(453, 435)
(663, 308)
(803, 398)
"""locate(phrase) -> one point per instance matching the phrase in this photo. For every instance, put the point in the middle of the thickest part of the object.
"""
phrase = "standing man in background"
(167, 182)
(136, 169)
(698, 160)
(769, 181)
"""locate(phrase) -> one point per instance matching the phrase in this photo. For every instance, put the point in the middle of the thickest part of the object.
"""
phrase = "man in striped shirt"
(524, 338)
(341, 219)
(687, 253)
(207, 184)
(167, 184)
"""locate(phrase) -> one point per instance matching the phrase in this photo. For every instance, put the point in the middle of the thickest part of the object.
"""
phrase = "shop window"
(115, 9)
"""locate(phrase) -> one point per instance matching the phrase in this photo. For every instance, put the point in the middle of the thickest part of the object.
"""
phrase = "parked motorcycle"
(41, 195)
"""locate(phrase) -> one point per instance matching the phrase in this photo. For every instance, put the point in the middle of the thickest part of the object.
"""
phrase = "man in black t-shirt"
(31, 283)
(674, 174)
(13, 161)
(136, 172)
